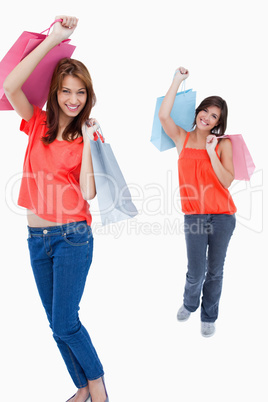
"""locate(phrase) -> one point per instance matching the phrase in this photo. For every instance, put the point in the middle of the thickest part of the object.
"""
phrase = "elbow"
(163, 113)
(6, 87)
(88, 195)
(91, 196)
(162, 116)
(87, 186)
(228, 182)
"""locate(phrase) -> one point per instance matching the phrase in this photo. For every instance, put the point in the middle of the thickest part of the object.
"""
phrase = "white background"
(136, 281)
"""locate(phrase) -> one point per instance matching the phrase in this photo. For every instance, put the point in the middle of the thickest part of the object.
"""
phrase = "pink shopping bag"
(243, 162)
(37, 85)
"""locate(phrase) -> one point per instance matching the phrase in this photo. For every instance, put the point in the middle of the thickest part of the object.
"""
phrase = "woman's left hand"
(211, 143)
(64, 29)
(89, 128)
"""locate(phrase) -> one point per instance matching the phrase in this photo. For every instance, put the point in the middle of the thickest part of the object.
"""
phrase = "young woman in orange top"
(58, 180)
(205, 172)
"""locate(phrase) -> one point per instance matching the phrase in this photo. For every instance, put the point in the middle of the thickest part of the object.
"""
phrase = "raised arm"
(14, 81)
(173, 131)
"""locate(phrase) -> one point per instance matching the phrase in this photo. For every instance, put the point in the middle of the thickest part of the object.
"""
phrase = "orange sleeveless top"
(200, 190)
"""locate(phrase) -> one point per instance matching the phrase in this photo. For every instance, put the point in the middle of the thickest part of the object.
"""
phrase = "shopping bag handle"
(49, 28)
(98, 133)
(183, 82)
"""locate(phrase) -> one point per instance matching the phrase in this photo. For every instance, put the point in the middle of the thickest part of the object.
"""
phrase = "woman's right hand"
(181, 73)
(64, 29)
(90, 127)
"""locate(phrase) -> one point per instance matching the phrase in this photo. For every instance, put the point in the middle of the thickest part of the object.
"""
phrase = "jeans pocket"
(77, 239)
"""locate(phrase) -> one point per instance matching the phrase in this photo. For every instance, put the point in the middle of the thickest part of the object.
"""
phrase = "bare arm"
(87, 181)
(14, 81)
(173, 131)
(223, 167)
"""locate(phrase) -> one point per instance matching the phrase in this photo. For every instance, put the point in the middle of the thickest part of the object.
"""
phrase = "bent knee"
(64, 329)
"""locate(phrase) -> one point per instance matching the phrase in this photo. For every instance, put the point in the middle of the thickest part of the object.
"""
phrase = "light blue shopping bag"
(182, 113)
(114, 198)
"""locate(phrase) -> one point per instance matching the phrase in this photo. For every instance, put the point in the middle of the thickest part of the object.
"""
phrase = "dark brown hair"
(76, 69)
(222, 105)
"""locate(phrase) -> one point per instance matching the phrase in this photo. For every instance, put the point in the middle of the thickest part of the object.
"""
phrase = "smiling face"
(208, 118)
(72, 96)
(211, 115)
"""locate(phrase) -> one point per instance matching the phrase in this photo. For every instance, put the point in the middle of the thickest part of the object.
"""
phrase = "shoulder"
(40, 113)
(181, 139)
(37, 121)
(181, 134)
(225, 144)
(225, 147)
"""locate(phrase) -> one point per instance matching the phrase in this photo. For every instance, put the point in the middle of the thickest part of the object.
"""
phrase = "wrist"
(177, 80)
(212, 153)
(86, 140)
(54, 39)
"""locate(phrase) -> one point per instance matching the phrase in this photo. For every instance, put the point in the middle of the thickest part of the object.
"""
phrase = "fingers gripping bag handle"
(98, 131)
(99, 135)
(49, 28)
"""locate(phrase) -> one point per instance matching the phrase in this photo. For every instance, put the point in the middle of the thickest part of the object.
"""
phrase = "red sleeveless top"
(200, 190)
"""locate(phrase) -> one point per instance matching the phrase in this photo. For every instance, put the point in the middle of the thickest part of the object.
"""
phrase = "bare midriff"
(35, 221)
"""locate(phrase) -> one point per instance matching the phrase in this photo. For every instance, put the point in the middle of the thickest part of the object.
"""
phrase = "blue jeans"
(207, 238)
(61, 257)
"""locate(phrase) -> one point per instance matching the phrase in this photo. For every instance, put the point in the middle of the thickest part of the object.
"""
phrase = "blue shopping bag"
(114, 198)
(182, 113)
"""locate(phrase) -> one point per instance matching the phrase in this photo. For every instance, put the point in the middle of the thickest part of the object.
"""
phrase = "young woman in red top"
(57, 182)
(205, 173)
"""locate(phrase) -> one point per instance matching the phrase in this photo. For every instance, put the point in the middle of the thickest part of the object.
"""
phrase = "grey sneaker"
(208, 329)
(183, 314)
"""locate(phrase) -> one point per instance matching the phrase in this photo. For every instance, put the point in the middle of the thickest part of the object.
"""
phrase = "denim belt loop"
(63, 232)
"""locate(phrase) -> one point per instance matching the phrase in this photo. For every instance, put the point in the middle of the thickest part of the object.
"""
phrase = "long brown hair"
(76, 69)
(222, 105)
